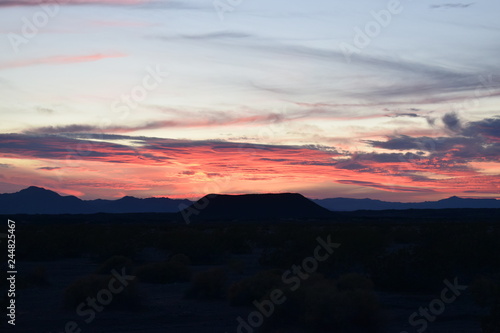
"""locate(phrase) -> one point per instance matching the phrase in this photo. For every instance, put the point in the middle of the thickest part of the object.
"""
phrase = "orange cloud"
(184, 168)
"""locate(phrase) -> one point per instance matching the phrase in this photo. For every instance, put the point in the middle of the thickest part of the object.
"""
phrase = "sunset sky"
(390, 100)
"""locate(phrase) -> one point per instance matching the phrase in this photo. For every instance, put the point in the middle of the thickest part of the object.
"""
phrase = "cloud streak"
(20, 3)
(453, 5)
(441, 167)
(60, 60)
(206, 120)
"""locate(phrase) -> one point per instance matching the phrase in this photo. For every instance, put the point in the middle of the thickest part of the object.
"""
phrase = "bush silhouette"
(346, 305)
(208, 284)
(354, 281)
(180, 258)
(37, 277)
(80, 290)
(163, 272)
(255, 287)
(236, 265)
(486, 293)
(115, 263)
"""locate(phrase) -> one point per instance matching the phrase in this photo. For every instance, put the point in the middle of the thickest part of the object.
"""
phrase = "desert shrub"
(293, 310)
(486, 293)
(91, 286)
(180, 258)
(316, 298)
(46, 242)
(208, 284)
(115, 263)
(411, 270)
(320, 305)
(354, 281)
(350, 308)
(407, 234)
(280, 256)
(163, 272)
(346, 305)
(255, 287)
(237, 240)
(236, 265)
(283, 253)
(36, 277)
(200, 246)
(51, 241)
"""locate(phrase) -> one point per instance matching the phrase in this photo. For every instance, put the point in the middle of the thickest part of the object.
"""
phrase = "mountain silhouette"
(37, 200)
(254, 207)
(347, 204)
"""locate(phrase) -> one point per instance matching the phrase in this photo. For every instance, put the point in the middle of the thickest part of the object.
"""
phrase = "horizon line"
(261, 193)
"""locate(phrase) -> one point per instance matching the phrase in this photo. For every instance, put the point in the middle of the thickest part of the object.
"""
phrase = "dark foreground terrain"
(384, 271)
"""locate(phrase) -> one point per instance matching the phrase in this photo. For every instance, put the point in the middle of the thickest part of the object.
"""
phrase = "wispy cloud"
(218, 35)
(45, 110)
(453, 5)
(206, 120)
(60, 60)
(391, 188)
(411, 115)
(15, 3)
(49, 168)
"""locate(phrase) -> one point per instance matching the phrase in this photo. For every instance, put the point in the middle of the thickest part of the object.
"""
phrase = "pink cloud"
(60, 60)
(184, 168)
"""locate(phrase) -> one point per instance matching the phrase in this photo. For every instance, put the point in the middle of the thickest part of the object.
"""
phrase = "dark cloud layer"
(84, 147)
(474, 140)
(478, 140)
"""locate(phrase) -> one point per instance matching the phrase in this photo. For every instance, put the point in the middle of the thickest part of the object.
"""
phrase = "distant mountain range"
(345, 204)
(36, 200)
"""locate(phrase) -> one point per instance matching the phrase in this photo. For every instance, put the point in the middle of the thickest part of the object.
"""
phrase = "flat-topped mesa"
(251, 207)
